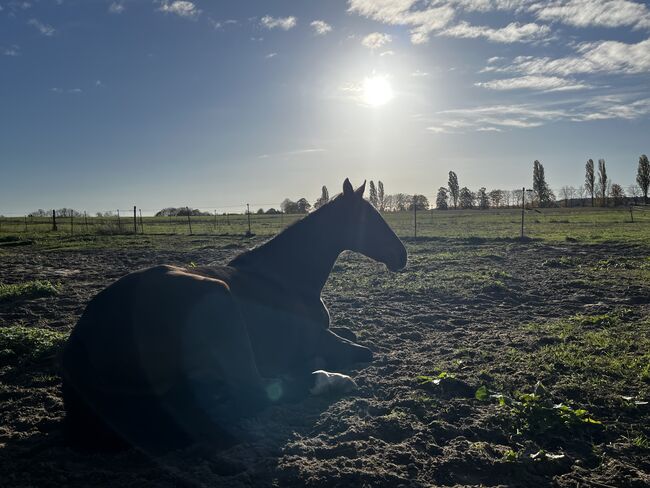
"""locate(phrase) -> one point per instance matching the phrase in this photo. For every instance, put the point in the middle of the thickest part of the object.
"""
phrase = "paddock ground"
(499, 362)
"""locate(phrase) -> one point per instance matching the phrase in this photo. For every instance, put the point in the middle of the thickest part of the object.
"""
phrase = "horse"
(169, 356)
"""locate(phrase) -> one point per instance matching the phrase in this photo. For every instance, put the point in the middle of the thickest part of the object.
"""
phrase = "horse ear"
(347, 187)
(359, 191)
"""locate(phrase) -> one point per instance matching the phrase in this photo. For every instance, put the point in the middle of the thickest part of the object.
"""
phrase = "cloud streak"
(45, 29)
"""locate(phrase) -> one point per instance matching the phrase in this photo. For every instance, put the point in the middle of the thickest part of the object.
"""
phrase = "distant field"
(556, 224)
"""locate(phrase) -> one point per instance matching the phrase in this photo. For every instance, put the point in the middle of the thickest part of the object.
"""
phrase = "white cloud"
(534, 82)
(422, 17)
(12, 50)
(321, 27)
(284, 23)
(45, 29)
(513, 32)
(387, 53)
(376, 40)
(523, 116)
(182, 8)
(419, 74)
(601, 13)
(594, 57)
(116, 8)
(271, 55)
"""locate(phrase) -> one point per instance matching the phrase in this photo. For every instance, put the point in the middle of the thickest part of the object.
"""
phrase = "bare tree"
(516, 197)
(582, 192)
(590, 179)
(617, 194)
(496, 197)
(635, 192)
(401, 202)
(567, 193)
(643, 176)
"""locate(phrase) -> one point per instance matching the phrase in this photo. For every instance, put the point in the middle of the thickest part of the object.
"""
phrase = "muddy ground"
(462, 338)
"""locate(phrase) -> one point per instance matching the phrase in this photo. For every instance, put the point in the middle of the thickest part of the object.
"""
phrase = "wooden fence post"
(71, 223)
(25, 223)
(54, 220)
(86, 221)
(119, 222)
(141, 223)
(415, 218)
(135, 222)
(189, 221)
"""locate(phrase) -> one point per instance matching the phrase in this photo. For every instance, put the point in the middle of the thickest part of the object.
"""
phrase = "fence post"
(248, 214)
(54, 220)
(86, 221)
(415, 218)
(71, 223)
(135, 222)
(189, 221)
(119, 222)
(523, 209)
(215, 221)
(141, 222)
(25, 224)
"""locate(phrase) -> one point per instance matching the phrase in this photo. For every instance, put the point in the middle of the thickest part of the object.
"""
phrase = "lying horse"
(167, 356)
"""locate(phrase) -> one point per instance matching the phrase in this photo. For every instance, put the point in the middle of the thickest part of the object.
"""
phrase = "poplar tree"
(372, 195)
(643, 176)
(381, 196)
(453, 188)
(590, 179)
(602, 181)
(441, 199)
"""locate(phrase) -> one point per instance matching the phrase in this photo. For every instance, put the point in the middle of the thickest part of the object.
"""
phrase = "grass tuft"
(19, 344)
(26, 290)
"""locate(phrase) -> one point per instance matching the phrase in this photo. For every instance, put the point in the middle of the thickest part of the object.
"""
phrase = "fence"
(421, 223)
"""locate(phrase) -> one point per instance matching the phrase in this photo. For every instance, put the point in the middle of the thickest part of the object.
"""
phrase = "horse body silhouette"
(167, 356)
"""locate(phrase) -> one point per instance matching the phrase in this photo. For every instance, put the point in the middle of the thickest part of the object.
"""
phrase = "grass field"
(553, 224)
(499, 362)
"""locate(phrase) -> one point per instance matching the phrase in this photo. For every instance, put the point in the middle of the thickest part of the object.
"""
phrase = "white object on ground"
(331, 383)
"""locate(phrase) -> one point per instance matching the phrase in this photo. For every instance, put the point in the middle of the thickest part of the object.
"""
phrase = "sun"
(376, 91)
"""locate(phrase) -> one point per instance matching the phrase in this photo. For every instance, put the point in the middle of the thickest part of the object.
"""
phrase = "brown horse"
(166, 356)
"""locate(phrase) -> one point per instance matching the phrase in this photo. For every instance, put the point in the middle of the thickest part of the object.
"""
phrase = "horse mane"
(300, 226)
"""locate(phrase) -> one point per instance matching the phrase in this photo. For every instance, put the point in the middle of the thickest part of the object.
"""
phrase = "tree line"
(598, 189)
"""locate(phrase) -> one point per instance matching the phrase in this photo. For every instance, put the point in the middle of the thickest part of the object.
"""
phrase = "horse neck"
(300, 258)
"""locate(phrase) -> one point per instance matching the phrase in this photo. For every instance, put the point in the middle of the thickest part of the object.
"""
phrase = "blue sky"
(107, 104)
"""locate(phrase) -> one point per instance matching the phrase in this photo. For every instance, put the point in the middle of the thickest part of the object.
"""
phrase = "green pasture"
(586, 225)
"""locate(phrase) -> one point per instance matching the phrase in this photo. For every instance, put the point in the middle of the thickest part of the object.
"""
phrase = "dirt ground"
(462, 338)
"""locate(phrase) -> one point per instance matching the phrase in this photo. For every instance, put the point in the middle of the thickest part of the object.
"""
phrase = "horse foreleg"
(217, 345)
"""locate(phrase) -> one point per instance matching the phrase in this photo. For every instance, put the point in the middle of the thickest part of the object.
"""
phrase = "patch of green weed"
(26, 290)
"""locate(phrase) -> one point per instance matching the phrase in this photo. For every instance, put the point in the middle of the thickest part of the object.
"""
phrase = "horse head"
(365, 230)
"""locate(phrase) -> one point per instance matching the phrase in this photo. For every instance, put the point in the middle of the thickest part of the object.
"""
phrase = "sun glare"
(376, 91)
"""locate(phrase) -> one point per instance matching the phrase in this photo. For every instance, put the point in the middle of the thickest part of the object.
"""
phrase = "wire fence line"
(503, 222)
